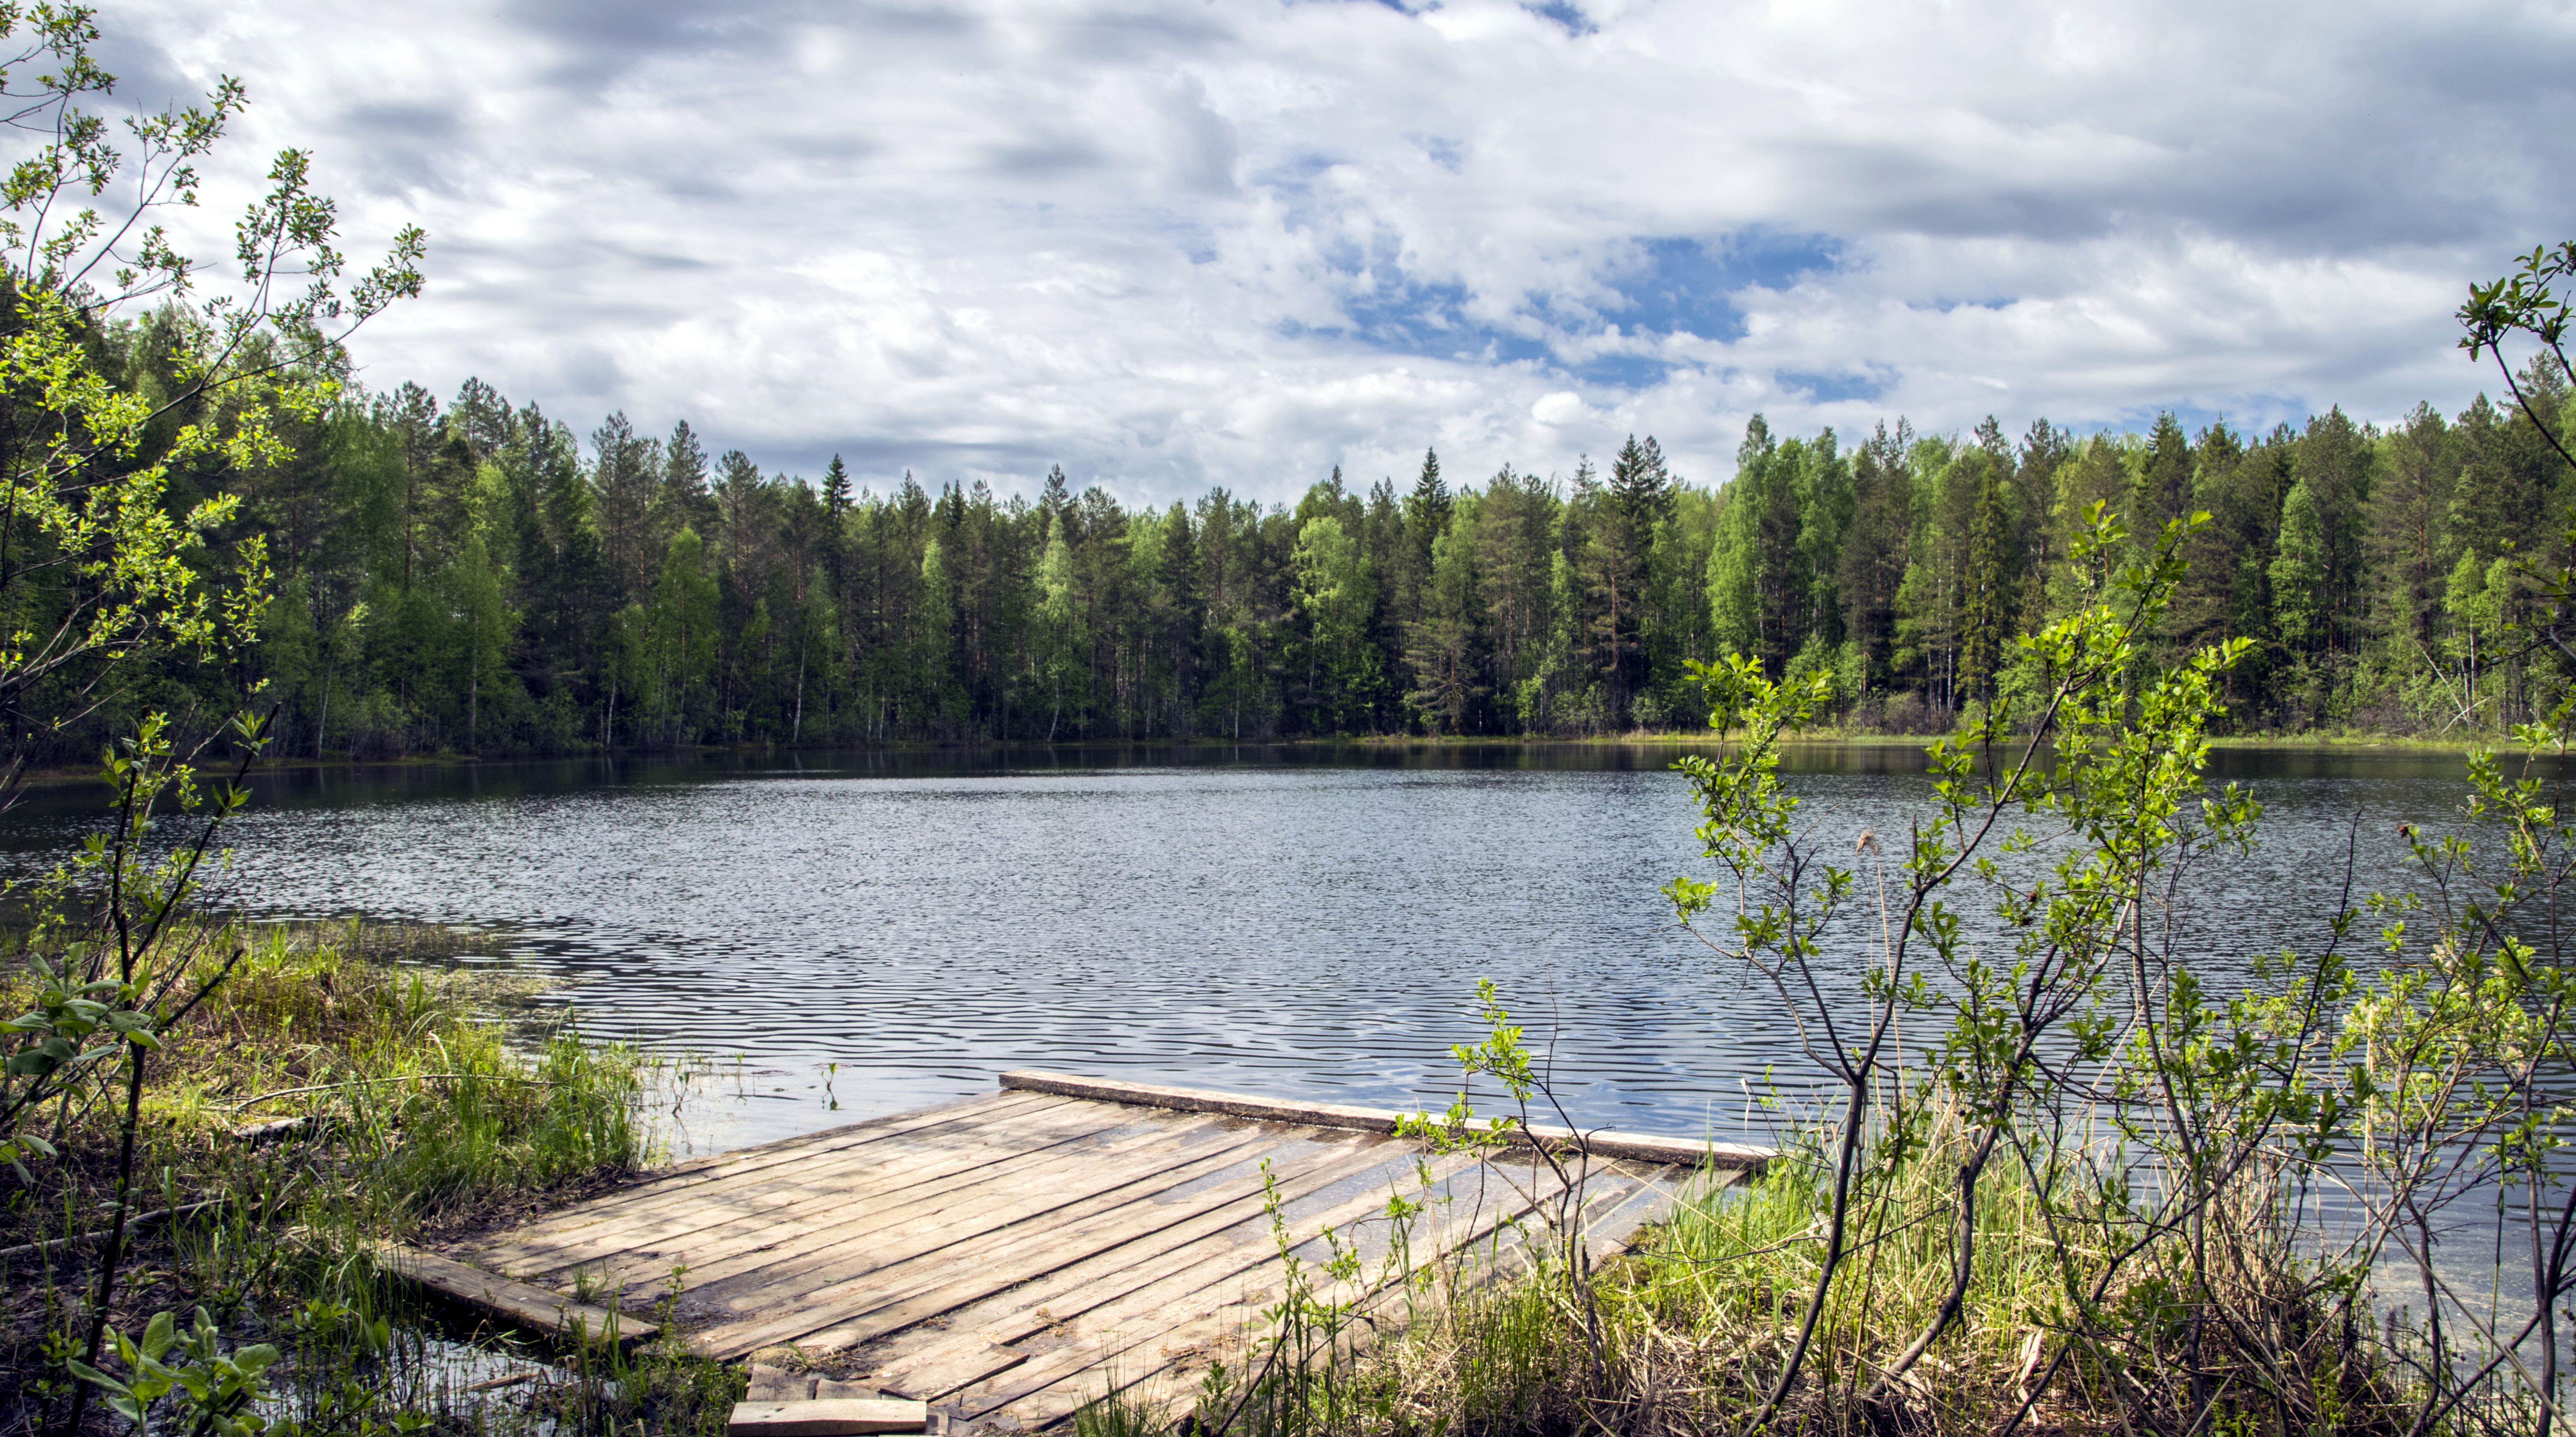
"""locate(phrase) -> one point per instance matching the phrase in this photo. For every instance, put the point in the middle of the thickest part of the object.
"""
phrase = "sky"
(1172, 244)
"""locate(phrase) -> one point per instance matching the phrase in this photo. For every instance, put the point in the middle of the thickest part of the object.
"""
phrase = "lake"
(852, 934)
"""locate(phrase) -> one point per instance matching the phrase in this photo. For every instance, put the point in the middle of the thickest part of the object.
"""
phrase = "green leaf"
(92, 1375)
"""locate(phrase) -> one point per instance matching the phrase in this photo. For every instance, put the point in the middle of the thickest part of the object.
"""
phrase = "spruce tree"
(2164, 487)
(1054, 499)
(1874, 555)
(836, 489)
(1986, 621)
(625, 476)
(685, 502)
(481, 417)
(412, 415)
(1428, 507)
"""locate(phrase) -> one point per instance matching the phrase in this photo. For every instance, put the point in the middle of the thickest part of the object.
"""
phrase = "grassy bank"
(326, 1098)
(1690, 1332)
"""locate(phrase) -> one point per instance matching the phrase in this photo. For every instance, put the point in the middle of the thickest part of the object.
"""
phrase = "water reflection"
(1292, 920)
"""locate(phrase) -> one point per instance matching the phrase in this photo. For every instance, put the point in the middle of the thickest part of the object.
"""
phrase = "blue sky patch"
(1663, 286)
(1864, 385)
(1576, 23)
(1622, 371)
(1447, 154)
(2250, 419)
(1686, 287)
(1428, 319)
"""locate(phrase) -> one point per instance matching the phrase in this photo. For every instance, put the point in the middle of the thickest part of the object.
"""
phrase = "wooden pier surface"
(1010, 1257)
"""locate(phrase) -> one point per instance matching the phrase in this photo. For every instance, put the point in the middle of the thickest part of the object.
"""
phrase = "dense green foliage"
(476, 577)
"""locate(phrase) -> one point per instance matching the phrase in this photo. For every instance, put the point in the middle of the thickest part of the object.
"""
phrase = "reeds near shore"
(322, 1102)
(1696, 1323)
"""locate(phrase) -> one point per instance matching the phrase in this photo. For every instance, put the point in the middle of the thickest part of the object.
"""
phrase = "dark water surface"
(875, 931)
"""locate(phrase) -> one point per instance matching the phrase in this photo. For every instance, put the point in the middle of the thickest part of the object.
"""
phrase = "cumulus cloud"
(1172, 243)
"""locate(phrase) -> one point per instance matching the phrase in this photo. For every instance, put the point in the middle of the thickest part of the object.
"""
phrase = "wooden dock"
(1008, 1258)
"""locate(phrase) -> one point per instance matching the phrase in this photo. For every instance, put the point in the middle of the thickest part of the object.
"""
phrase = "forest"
(478, 577)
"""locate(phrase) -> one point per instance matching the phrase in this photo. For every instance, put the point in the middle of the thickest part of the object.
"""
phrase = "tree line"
(478, 577)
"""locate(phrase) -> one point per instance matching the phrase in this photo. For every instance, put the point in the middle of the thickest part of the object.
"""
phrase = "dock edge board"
(517, 1303)
(828, 1417)
(1635, 1147)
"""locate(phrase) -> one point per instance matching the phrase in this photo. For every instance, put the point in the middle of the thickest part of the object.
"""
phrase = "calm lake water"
(852, 934)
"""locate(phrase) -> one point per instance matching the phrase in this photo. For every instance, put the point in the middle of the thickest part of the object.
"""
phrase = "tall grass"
(1698, 1318)
(322, 1103)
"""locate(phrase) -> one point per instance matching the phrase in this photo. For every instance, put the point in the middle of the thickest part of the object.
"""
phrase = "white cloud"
(1174, 243)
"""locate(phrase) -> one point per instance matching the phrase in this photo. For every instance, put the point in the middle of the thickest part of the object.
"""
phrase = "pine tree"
(1759, 595)
(1439, 647)
(1640, 484)
(2164, 483)
(2411, 545)
(2333, 462)
(1825, 506)
(412, 415)
(836, 490)
(1054, 499)
(1181, 616)
(1872, 562)
(482, 418)
(685, 502)
(625, 475)
(1986, 620)
(1428, 507)
(1990, 438)
(1514, 556)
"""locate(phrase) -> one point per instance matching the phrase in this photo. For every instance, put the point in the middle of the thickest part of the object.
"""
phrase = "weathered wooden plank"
(827, 1417)
(724, 1224)
(765, 1383)
(1011, 1175)
(909, 1175)
(876, 1140)
(1131, 1246)
(1226, 1243)
(1035, 1268)
(1191, 1308)
(1641, 1147)
(1632, 1199)
(762, 1256)
(945, 1110)
(547, 1312)
(852, 1281)
(980, 1111)
(849, 1148)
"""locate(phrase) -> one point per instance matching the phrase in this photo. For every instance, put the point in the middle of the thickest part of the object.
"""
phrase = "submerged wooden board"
(516, 1303)
(1011, 1257)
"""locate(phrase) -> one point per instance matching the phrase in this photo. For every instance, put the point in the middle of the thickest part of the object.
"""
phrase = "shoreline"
(64, 776)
